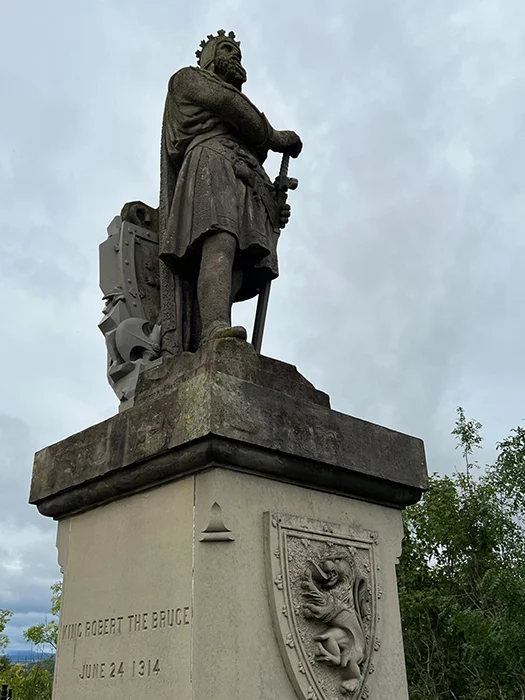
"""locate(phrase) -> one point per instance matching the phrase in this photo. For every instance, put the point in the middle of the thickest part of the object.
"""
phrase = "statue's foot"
(350, 686)
(220, 331)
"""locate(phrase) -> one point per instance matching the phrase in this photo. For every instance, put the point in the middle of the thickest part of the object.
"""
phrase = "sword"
(282, 185)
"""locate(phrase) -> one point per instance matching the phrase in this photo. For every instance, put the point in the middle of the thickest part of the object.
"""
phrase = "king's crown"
(210, 43)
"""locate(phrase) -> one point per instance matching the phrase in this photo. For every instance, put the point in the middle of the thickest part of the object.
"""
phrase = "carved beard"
(230, 70)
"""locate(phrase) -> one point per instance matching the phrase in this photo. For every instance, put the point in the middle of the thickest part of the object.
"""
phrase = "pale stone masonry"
(229, 536)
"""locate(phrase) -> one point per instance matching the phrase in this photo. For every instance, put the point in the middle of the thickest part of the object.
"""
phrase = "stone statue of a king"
(219, 216)
(170, 276)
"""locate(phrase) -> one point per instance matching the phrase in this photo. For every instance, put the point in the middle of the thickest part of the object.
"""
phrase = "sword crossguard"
(283, 184)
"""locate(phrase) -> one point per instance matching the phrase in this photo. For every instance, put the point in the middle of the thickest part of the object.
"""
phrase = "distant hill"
(25, 656)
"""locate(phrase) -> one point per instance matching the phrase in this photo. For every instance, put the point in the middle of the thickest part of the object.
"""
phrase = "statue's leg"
(237, 278)
(353, 677)
(328, 651)
(214, 287)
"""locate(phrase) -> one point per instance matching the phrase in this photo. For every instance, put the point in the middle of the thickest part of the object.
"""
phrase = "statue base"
(229, 536)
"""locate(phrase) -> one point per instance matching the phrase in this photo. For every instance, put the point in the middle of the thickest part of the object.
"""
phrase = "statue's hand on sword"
(287, 142)
(282, 184)
(291, 145)
(285, 212)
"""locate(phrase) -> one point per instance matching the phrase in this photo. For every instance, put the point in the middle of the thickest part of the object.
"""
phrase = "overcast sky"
(400, 291)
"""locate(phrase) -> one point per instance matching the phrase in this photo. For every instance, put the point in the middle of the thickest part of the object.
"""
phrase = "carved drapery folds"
(324, 595)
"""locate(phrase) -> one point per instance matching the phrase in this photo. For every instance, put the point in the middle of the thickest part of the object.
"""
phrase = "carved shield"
(129, 279)
(129, 262)
(325, 598)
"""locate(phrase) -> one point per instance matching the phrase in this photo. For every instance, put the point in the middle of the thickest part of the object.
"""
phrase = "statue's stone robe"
(213, 143)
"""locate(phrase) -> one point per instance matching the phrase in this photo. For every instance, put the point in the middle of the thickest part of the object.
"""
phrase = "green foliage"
(5, 616)
(462, 578)
(33, 683)
(467, 432)
(45, 634)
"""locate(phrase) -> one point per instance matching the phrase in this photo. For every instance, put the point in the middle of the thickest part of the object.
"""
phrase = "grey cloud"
(27, 553)
(400, 285)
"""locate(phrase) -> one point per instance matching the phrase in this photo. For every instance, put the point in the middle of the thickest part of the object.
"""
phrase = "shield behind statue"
(129, 263)
(129, 280)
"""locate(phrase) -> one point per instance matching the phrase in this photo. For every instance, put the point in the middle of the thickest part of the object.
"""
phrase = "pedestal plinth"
(229, 536)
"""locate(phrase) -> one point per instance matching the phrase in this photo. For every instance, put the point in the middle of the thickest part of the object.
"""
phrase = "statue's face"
(228, 64)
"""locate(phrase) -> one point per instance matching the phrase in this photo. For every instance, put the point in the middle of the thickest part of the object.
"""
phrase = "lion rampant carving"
(334, 595)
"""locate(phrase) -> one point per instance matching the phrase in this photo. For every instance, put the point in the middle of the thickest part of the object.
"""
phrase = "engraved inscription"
(92, 628)
(135, 622)
(141, 668)
(123, 626)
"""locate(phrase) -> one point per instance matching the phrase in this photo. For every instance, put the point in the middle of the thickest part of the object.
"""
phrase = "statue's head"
(221, 55)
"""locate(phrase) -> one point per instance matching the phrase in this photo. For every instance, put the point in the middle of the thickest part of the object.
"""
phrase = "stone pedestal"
(229, 536)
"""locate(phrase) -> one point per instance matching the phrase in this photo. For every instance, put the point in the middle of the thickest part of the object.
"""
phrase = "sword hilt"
(285, 163)
(283, 182)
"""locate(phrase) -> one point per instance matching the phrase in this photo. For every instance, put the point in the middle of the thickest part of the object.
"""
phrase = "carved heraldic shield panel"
(325, 598)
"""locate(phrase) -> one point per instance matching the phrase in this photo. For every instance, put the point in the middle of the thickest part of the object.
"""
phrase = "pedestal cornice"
(227, 407)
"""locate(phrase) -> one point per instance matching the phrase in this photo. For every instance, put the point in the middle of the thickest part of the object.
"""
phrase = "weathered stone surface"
(237, 635)
(226, 632)
(233, 358)
(224, 408)
(125, 621)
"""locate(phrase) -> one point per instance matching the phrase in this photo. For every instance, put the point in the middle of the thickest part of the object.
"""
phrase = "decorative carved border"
(285, 536)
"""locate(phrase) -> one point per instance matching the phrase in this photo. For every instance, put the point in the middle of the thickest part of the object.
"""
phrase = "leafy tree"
(462, 578)
(5, 616)
(34, 683)
(45, 634)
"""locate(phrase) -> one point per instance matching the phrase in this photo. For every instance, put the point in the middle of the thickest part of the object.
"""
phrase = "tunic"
(212, 139)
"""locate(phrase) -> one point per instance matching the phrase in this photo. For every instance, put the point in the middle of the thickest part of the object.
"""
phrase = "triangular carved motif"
(325, 598)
